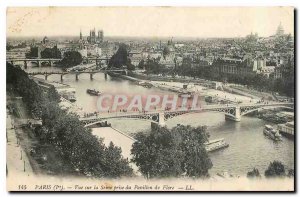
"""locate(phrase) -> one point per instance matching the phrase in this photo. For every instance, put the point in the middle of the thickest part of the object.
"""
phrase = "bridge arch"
(35, 63)
(147, 117)
(45, 63)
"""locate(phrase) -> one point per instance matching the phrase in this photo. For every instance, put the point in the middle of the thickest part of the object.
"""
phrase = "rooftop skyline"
(199, 22)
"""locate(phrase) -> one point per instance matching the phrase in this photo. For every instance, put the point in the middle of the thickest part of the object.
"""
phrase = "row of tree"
(51, 53)
(75, 144)
(175, 152)
(33, 52)
(275, 169)
(152, 66)
(10, 47)
(70, 58)
(284, 85)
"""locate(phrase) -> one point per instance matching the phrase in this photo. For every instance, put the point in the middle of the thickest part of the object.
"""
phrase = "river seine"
(248, 147)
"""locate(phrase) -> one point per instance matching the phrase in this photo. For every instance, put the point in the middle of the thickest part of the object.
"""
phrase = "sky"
(199, 22)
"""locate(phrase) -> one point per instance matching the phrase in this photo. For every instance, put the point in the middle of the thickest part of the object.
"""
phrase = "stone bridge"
(38, 61)
(76, 73)
(51, 61)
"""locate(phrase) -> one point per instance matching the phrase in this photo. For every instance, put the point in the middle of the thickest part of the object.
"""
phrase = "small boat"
(272, 133)
(145, 84)
(215, 145)
(185, 93)
(70, 97)
(93, 92)
(211, 99)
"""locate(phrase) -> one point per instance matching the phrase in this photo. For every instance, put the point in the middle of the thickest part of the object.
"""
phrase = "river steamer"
(270, 132)
(93, 92)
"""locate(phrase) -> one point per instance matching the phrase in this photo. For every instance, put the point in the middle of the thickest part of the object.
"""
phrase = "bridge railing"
(151, 112)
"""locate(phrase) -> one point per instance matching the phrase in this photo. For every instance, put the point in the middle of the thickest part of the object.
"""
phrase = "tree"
(130, 66)
(153, 66)
(141, 64)
(71, 58)
(172, 153)
(253, 174)
(53, 95)
(291, 173)
(275, 169)
(120, 58)
(74, 144)
(51, 53)
(118, 166)
(33, 53)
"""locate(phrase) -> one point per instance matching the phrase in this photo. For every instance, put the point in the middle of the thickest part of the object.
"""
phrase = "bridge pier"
(46, 76)
(25, 64)
(105, 75)
(91, 76)
(161, 119)
(50, 63)
(237, 117)
(61, 77)
(76, 76)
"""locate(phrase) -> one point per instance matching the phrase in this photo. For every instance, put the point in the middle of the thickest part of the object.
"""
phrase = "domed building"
(45, 40)
(280, 31)
(169, 51)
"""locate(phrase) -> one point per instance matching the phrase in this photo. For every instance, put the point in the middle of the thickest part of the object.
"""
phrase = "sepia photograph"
(150, 99)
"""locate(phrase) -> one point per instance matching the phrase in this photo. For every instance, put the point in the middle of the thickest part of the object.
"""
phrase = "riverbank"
(200, 87)
(246, 138)
(120, 139)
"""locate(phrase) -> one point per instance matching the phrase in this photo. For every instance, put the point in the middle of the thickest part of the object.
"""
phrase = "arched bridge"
(232, 112)
(38, 61)
(51, 61)
(76, 73)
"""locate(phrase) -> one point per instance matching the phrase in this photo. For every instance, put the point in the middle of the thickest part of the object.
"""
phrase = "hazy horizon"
(149, 22)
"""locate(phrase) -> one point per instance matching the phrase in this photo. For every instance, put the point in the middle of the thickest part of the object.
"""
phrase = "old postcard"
(150, 99)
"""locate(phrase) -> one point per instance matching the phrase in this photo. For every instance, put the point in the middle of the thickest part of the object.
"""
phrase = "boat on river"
(214, 145)
(287, 129)
(272, 133)
(69, 97)
(185, 93)
(145, 84)
(210, 99)
(93, 92)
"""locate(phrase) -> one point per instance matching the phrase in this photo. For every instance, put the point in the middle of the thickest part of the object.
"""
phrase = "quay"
(119, 139)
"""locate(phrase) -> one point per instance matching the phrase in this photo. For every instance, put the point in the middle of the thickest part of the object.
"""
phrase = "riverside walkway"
(119, 139)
